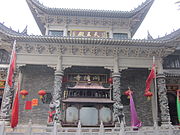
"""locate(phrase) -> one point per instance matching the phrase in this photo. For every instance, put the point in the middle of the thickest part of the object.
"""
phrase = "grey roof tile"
(89, 12)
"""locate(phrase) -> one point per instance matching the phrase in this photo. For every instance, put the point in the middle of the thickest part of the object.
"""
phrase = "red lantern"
(148, 94)
(128, 92)
(24, 93)
(110, 80)
(41, 93)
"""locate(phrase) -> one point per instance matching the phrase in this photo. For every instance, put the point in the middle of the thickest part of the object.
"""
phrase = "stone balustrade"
(56, 129)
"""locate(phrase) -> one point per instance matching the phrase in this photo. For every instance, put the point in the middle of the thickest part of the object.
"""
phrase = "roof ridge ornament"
(24, 32)
(149, 37)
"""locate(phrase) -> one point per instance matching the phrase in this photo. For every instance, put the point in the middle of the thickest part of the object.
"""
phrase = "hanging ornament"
(24, 93)
(110, 80)
(41, 93)
(128, 92)
(148, 94)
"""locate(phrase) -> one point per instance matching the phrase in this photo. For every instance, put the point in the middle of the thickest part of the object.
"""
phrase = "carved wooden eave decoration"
(39, 45)
(87, 46)
(131, 19)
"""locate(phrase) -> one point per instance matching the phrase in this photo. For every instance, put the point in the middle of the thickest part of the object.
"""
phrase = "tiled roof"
(89, 12)
(136, 16)
(84, 40)
(13, 35)
(7, 30)
(171, 36)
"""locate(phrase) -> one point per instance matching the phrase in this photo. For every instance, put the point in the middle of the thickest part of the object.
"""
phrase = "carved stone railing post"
(55, 104)
(162, 94)
(116, 90)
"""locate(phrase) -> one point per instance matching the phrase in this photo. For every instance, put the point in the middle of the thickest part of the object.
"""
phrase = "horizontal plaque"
(90, 33)
(75, 77)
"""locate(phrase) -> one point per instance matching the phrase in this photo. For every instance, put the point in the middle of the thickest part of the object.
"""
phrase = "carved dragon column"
(162, 94)
(116, 90)
(8, 98)
(55, 104)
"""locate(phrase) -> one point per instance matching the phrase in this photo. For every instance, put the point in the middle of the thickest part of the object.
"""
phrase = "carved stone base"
(116, 75)
(166, 125)
(59, 73)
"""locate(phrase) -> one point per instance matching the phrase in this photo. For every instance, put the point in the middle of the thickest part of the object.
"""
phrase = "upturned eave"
(136, 16)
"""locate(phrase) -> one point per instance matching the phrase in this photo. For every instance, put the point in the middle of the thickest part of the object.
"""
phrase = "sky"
(163, 17)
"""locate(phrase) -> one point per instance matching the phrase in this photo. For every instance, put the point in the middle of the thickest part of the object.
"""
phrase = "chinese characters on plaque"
(86, 33)
(87, 77)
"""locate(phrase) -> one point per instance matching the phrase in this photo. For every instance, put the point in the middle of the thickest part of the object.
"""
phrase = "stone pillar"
(111, 33)
(8, 99)
(162, 94)
(65, 32)
(116, 90)
(55, 104)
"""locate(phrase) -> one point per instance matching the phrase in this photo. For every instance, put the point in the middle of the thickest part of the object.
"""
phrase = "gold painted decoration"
(34, 102)
(2, 83)
(83, 77)
(89, 33)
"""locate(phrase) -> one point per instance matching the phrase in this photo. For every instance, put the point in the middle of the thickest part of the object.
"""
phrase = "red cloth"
(151, 76)
(28, 105)
(12, 66)
(15, 111)
(50, 117)
(15, 108)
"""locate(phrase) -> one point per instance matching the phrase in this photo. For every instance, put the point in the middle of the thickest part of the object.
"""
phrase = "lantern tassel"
(23, 96)
(149, 98)
(41, 96)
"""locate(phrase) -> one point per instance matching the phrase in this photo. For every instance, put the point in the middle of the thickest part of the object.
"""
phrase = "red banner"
(150, 78)
(28, 105)
(15, 111)
(12, 66)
